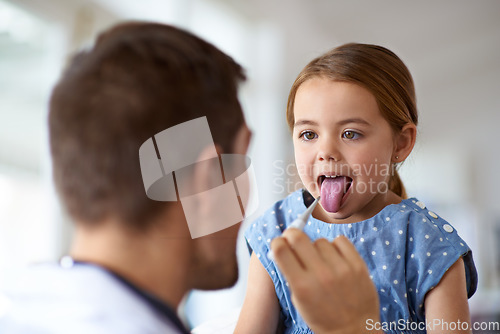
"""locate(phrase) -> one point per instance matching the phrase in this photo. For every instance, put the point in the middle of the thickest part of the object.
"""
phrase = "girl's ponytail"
(396, 185)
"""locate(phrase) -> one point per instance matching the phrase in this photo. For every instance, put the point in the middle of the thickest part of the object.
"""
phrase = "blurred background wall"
(452, 48)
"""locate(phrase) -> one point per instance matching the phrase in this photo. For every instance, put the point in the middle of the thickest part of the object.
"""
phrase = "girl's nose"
(329, 151)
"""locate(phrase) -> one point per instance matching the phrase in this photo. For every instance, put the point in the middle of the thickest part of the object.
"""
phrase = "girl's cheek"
(305, 168)
(301, 158)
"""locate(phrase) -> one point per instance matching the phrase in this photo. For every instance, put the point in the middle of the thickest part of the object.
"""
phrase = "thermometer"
(298, 223)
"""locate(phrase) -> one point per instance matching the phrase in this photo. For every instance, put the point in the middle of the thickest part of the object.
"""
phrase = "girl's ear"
(404, 142)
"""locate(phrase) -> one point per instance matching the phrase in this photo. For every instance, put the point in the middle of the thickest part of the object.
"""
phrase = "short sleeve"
(260, 232)
(433, 246)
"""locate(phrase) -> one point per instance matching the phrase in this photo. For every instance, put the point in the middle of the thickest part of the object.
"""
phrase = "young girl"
(353, 117)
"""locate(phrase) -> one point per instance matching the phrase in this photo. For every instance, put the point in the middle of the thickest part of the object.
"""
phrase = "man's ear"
(207, 172)
(242, 140)
(404, 142)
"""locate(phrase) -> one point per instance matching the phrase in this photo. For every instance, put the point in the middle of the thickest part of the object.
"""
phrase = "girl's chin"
(340, 214)
(329, 217)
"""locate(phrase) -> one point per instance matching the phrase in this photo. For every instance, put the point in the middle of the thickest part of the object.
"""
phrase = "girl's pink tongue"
(332, 192)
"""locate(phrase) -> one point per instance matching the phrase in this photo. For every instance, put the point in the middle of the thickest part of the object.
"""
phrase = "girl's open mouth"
(334, 189)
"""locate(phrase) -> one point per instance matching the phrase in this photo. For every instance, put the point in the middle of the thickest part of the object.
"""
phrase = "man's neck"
(156, 261)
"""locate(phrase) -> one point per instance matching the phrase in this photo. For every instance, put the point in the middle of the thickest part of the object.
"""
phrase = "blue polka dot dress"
(406, 247)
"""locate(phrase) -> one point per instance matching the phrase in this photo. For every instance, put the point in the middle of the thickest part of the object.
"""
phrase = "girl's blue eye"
(349, 134)
(308, 135)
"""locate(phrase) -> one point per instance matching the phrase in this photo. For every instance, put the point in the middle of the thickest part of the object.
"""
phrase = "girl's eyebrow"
(342, 122)
(305, 122)
(353, 120)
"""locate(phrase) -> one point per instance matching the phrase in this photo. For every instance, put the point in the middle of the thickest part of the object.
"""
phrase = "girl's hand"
(329, 281)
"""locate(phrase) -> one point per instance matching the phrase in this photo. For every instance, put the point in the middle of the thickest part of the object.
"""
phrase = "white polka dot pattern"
(406, 247)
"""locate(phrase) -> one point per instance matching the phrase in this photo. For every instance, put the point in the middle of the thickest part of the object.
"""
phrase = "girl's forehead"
(325, 98)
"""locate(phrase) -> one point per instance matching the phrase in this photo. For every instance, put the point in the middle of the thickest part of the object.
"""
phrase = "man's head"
(138, 79)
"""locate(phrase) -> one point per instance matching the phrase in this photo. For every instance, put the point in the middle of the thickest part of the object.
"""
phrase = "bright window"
(29, 65)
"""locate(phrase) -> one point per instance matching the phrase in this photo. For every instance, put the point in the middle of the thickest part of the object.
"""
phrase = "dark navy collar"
(158, 305)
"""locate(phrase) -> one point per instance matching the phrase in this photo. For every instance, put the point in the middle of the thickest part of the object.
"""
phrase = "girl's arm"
(260, 311)
(446, 306)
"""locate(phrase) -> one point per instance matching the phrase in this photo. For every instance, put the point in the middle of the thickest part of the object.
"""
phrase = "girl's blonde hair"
(375, 68)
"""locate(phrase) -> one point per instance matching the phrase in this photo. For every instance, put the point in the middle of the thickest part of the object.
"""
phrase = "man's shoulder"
(51, 298)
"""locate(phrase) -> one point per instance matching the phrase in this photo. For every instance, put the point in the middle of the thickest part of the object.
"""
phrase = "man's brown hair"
(138, 79)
